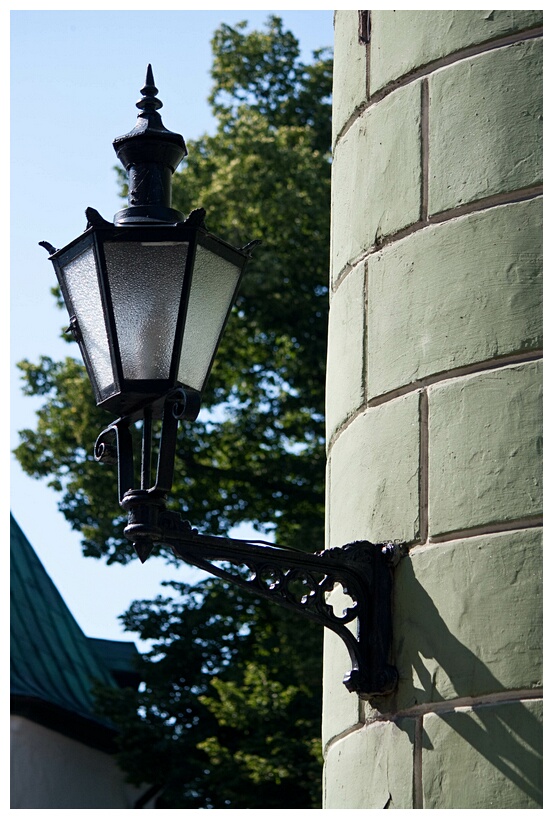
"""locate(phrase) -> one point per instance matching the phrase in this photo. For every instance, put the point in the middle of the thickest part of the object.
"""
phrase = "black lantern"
(148, 296)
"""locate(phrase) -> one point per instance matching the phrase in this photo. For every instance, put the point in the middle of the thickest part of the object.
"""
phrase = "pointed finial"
(143, 550)
(148, 101)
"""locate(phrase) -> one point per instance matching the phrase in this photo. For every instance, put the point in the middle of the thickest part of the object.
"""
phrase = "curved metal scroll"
(114, 445)
(296, 580)
(301, 582)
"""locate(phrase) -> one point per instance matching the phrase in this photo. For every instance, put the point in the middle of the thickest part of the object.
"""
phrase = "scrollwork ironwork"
(294, 579)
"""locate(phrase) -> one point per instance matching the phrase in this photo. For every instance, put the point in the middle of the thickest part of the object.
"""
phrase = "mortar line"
(365, 353)
(337, 432)
(509, 360)
(328, 484)
(425, 113)
(342, 735)
(487, 202)
(438, 378)
(478, 206)
(532, 522)
(344, 272)
(464, 703)
(367, 41)
(363, 30)
(420, 710)
(423, 467)
(434, 65)
(368, 60)
(417, 764)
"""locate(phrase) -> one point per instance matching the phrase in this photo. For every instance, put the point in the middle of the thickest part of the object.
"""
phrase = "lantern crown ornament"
(150, 154)
(148, 297)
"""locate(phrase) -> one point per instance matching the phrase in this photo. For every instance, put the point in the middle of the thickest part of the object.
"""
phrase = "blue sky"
(74, 79)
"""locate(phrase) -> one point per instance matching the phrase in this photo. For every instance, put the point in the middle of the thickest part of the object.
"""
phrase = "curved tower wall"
(434, 400)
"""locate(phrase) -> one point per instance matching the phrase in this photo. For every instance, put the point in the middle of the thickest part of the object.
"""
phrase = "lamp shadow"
(505, 733)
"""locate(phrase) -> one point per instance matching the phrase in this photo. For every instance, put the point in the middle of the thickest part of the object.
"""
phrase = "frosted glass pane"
(146, 284)
(211, 295)
(82, 283)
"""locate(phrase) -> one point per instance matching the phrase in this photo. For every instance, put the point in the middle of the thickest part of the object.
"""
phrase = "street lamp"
(148, 298)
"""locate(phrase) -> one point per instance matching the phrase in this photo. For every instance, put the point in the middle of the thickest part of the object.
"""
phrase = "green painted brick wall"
(434, 401)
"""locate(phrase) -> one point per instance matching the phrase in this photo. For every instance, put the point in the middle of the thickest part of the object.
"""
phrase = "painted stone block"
(376, 176)
(374, 475)
(485, 449)
(345, 362)
(349, 89)
(371, 768)
(489, 757)
(468, 618)
(402, 41)
(455, 294)
(485, 126)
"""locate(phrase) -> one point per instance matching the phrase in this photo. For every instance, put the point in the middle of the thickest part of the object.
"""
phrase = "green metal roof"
(52, 661)
(120, 658)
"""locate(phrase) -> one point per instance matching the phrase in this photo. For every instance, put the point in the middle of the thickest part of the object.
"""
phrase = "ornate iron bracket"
(294, 579)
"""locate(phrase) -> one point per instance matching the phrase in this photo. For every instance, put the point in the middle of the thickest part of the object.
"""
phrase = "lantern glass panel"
(81, 280)
(212, 292)
(146, 284)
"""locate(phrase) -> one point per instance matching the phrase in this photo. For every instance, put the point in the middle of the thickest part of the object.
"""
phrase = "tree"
(256, 452)
(231, 702)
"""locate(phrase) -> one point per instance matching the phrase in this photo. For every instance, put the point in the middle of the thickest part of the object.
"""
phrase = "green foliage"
(269, 77)
(229, 715)
(60, 450)
(230, 708)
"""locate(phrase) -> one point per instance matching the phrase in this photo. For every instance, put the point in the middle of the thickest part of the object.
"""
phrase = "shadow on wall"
(435, 667)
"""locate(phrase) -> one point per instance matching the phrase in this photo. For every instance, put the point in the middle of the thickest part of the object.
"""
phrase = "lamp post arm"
(293, 579)
(296, 580)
